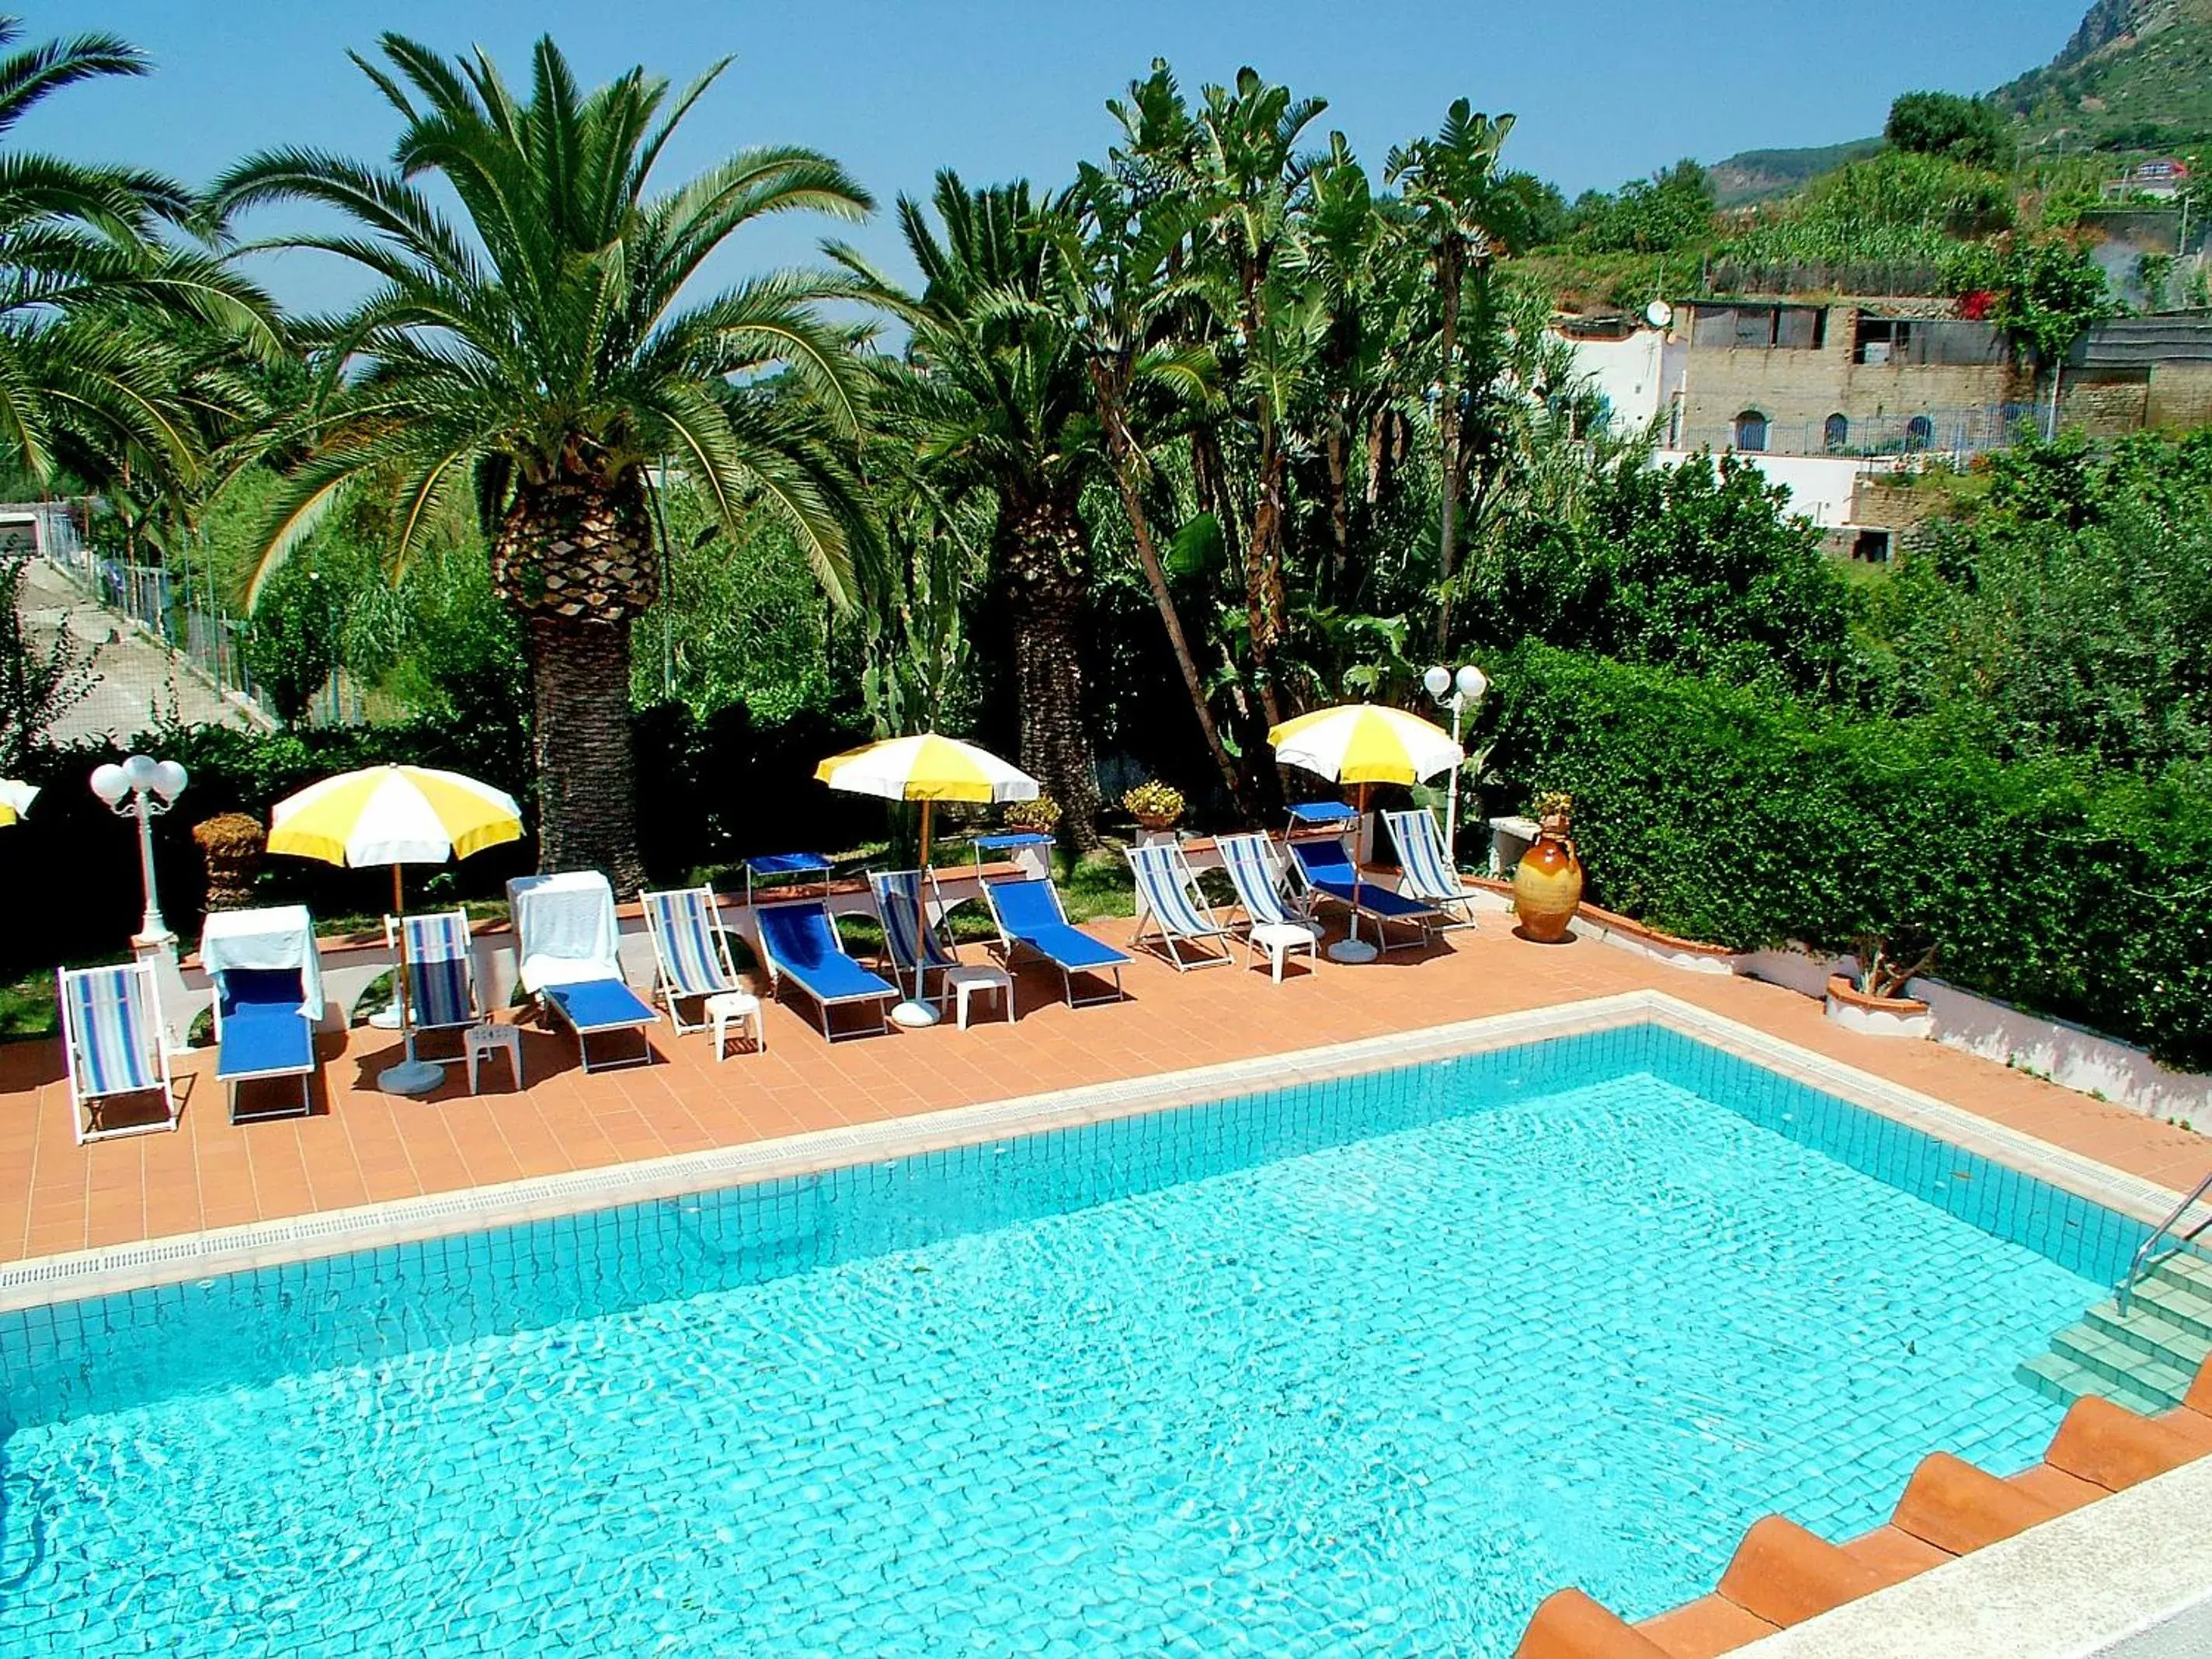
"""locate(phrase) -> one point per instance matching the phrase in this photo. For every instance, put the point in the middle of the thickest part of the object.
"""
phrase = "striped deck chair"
(442, 991)
(112, 1040)
(1171, 907)
(894, 891)
(1428, 873)
(690, 950)
(1268, 924)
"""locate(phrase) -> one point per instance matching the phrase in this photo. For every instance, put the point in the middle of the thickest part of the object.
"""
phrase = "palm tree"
(995, 396)
(97, 306)
(546, 359)
(1468, 216)
(1119, 282)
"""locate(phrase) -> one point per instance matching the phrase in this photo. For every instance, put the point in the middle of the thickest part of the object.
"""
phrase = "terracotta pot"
(1548, 888)
(1153, 823)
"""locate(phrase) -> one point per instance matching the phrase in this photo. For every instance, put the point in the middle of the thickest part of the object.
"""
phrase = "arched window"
(1751, 431)
(1919, 432)
(1837, 433)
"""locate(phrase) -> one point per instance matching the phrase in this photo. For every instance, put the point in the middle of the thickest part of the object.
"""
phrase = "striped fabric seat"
(1250, 862)
(1171, 905)
(1429, 876)
(111, 1039)
(439, 987)
(690, 948)
(895, 892)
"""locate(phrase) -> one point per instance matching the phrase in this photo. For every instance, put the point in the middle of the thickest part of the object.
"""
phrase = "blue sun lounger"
(1028, 915)
(799, 943)
(260, 1031)
(1324, 868)
(268, 998)
(111, 1039)
(566, 939)
(1171, 907)
(1428, 873)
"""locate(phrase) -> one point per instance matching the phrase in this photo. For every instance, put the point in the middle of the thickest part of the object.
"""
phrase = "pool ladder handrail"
(2142, 1264)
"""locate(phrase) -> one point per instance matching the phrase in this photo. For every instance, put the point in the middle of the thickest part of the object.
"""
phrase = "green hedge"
(1723, 815)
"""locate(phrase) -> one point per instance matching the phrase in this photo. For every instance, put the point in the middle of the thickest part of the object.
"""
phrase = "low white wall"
(2067, 1054)
(1822, 486)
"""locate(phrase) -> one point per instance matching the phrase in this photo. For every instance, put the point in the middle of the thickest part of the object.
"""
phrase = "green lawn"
(26, 1008)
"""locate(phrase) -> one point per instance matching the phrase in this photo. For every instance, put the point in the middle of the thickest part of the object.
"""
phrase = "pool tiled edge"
(90, 1274)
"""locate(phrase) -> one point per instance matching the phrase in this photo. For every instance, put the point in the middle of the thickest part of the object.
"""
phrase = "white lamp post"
(1459, 693)
(144, 788)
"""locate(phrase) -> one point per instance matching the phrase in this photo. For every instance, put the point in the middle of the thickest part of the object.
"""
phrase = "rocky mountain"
(2136, 76)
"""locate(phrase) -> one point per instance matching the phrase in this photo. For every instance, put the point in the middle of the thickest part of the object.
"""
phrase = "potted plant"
(1156, 806)
(1035, 817)
(1873, 1002)
(231, 844)
(1547, 883)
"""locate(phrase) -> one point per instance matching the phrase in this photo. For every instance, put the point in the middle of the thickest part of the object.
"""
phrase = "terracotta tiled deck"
(361, 1147)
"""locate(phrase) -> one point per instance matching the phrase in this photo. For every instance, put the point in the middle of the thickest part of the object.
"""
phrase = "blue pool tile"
(1364, 1365)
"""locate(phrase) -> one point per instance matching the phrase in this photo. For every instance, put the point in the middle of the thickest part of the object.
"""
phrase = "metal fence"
(1958, 432)
(180, 611)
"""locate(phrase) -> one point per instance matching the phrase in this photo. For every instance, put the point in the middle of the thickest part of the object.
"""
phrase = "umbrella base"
(410, 1077)
(914, 1015)
(1352, 950)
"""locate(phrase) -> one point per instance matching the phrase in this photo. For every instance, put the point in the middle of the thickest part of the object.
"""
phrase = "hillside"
(2137, 76)
(1760, 175)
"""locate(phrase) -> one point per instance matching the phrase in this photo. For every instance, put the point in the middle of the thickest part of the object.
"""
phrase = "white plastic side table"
(492, 1038)
(966, 981)
(1280, 938)
(740, 1008)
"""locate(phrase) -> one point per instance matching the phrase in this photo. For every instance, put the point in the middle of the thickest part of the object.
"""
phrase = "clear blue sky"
(999, 88)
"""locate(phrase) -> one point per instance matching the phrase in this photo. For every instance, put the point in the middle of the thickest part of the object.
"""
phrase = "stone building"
(1851, 376)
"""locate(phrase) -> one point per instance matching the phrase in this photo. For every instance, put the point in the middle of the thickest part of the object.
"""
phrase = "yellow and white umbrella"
(16, 799)
(927, 769)
(1364, 744)
(396, 815)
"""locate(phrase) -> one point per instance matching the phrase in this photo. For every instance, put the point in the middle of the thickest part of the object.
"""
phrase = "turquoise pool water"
(1365, 1367)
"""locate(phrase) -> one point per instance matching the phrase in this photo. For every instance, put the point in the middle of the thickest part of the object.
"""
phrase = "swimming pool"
(1361, 1366)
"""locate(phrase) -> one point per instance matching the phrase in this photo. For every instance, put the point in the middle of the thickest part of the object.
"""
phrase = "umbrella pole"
(411, 1076)
(1351, 948)
(917, 1011)
(406, 1004)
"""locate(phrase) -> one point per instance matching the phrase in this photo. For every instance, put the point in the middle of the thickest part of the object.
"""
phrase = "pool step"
(2145, 1359)
(2055, 1377)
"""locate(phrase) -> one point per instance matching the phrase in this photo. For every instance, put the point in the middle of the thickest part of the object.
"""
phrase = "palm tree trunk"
(1118, 445)
(1451, 429)
(575, 556)
(586, 774)
(1267, 605)
(1045, 569)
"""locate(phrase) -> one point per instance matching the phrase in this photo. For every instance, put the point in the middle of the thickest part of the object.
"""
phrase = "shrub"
(1719, 813)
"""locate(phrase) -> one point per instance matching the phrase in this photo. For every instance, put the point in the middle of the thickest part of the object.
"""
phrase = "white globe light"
(109, 783)
(138, 771)
(1473, 683)
(169, 780)
(1438, 680)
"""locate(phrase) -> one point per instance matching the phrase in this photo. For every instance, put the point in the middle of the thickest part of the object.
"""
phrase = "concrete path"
(136, 684)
